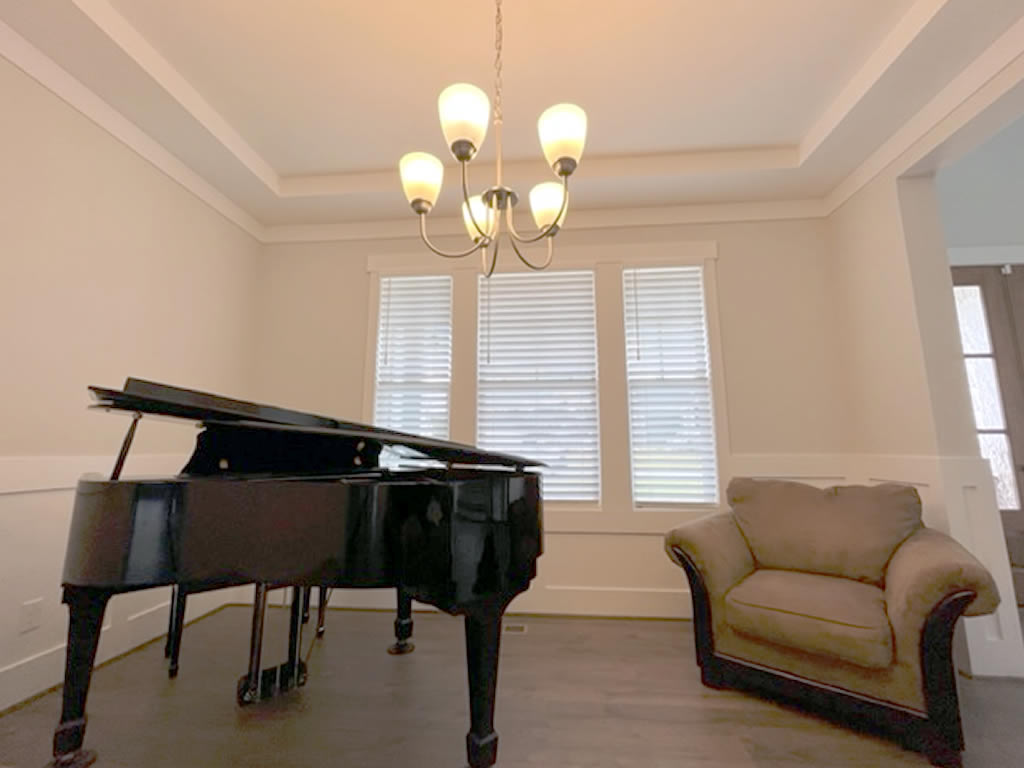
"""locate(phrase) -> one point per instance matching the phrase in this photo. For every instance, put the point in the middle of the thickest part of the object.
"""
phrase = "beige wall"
(784, 389)
(888, 408)
(312, 301)
(107, 269)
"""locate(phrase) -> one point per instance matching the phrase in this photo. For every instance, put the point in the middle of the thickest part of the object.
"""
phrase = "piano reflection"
(275, 498)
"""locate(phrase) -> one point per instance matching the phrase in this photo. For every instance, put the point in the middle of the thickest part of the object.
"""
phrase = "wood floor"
(572, 693)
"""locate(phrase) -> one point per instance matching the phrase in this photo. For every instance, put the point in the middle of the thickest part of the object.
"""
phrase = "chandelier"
(464, 110)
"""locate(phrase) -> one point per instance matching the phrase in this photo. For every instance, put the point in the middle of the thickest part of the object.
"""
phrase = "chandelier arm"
(552, 228)
(531, 265)
(477, 245)
(488, 271)
(465, 197)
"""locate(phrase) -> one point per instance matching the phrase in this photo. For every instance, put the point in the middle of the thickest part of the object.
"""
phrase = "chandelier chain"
(497, 61)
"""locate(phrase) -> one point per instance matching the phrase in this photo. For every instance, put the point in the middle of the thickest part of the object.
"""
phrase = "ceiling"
(296, 112)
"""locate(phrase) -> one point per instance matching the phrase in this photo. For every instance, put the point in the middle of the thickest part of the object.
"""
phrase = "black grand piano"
(274, 498)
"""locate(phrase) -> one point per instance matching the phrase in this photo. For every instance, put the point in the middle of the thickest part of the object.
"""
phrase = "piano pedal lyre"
(260, 683)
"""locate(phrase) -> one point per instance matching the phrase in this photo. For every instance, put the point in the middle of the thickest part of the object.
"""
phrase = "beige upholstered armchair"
(838, 599)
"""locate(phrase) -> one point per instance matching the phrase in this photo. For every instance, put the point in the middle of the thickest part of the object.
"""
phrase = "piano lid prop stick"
(125, 447)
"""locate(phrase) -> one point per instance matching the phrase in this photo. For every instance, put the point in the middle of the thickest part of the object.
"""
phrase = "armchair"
(839, 600)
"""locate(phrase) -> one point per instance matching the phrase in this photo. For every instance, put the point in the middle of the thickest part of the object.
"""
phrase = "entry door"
(990, 306)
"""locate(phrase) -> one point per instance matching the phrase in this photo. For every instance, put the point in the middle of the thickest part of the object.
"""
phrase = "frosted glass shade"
(563, 131)
(484, 216)
(422, 174)
(465, 111)
(546, 202)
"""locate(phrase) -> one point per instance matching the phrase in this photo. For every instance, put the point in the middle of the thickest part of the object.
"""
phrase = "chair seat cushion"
(823, 615)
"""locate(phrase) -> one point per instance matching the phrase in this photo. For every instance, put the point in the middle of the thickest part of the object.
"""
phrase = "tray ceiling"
(298, 112)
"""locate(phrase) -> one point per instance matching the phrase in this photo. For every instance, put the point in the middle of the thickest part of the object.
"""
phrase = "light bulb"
(484, 215)
(546, 202)
(563, 131)
(465, 111)
(422, 174)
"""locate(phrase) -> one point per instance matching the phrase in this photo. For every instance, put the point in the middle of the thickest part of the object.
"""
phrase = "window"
(537, 376)
(414, 355)
(986, 399)
(671, 428)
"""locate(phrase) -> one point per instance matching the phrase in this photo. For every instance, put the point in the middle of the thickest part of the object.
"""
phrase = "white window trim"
(615, 513)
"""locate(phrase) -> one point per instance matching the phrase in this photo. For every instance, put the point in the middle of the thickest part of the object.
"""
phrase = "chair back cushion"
(848, 531)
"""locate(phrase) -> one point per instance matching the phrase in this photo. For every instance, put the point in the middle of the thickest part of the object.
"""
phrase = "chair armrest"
(926, 568)
(716, 547)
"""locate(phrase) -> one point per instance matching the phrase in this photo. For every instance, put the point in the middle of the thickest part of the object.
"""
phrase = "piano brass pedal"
(243, 696)
(80, 758)
(286, 677)
(268, 683)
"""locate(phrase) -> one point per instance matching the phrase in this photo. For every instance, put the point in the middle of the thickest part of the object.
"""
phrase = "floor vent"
(514, 629)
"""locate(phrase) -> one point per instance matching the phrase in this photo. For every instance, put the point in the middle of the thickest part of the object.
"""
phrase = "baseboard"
(27, 678)
(619, 602)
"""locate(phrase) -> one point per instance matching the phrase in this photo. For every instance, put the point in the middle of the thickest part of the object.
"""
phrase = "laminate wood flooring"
(572, 693)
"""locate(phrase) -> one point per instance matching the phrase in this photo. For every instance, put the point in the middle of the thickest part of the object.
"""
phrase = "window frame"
(607, 256)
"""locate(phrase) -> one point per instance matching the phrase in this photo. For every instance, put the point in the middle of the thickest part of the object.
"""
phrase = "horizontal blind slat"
(537, 376)
(668, 378)
(414, 358)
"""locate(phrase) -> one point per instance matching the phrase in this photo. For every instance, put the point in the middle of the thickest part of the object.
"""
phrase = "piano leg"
(292, 674)
(178, 622)
(85, 606)
(321, 612)
(403, 625)
(483, 635)
(170, 621)
(306, 593)
(249, 684)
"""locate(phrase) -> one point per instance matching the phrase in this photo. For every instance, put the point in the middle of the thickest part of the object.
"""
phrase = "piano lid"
(143, 396)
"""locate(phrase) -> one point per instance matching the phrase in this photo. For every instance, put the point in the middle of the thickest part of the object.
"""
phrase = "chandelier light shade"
(422, 174)
(475, 211)
(465, 112)
(546, 204)
(563, 131)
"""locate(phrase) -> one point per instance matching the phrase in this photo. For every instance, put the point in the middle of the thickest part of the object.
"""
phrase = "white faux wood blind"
(414, 355)
(537, 376)
(671, 423)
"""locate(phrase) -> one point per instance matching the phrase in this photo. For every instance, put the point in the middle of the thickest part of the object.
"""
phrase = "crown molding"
(999, 68)
(908, 29)
(985, 255)
(598, 167)
(37, 65)
(586, 219)
(138, 48)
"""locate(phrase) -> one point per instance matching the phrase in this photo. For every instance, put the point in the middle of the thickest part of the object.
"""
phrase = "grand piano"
(274, 497)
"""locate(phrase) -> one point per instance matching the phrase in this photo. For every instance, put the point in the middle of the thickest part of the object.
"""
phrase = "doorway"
(990, 312)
